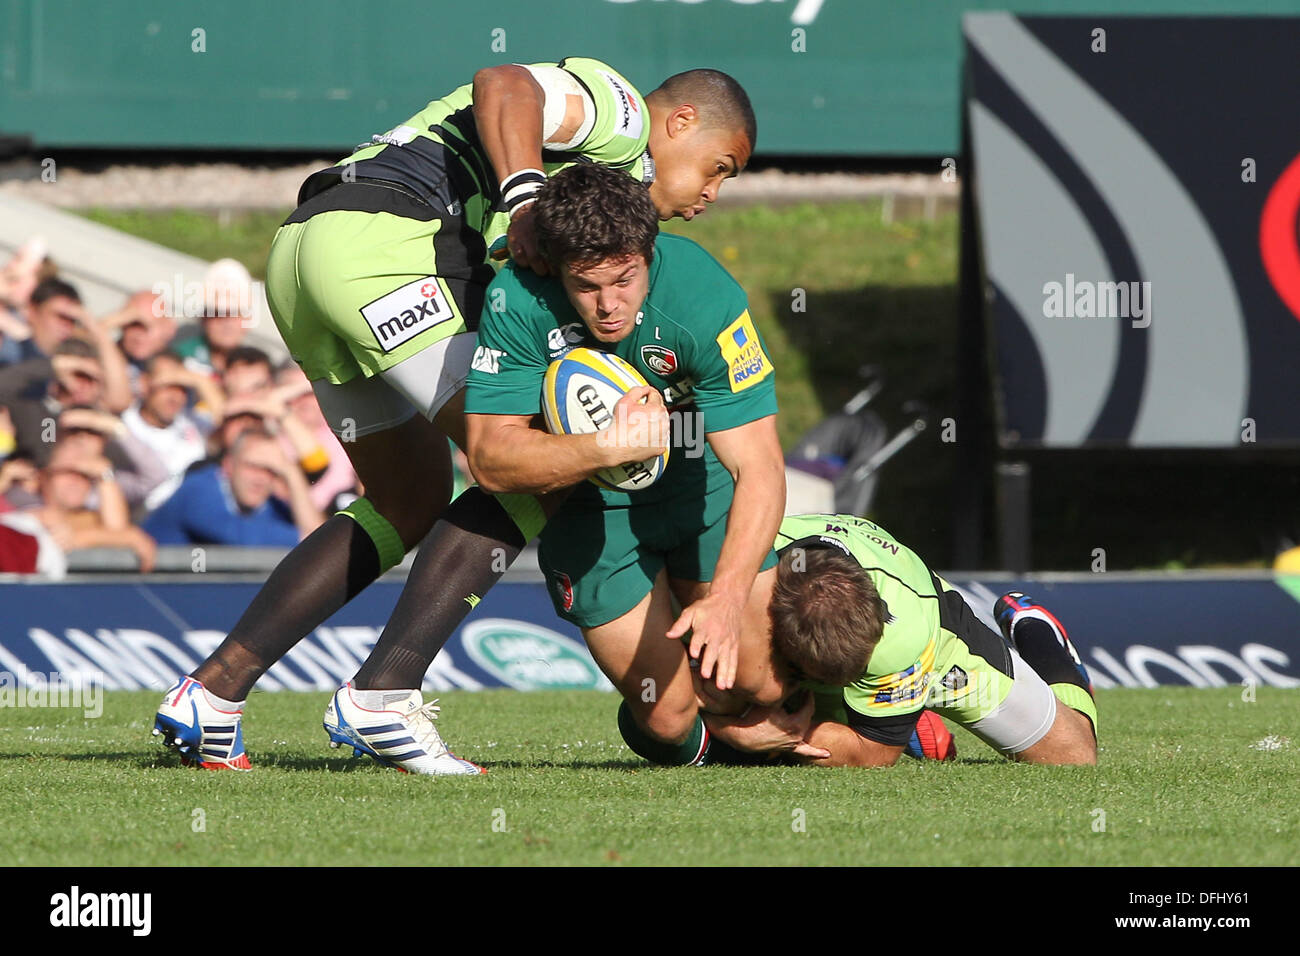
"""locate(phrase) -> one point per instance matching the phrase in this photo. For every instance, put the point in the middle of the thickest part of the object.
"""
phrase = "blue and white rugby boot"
(203, 734)
(400, 735)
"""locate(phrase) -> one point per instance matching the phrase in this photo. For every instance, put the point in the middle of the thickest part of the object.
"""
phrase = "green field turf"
(1183, 781)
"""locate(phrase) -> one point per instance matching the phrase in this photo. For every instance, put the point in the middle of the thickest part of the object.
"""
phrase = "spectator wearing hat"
(227, 315)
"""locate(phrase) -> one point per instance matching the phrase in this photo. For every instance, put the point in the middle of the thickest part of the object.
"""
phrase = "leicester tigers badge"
(564, 588)
(660, 360)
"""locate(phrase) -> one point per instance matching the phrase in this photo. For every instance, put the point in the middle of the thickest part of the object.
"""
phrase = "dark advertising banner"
(1137, 182)
(1133, 631)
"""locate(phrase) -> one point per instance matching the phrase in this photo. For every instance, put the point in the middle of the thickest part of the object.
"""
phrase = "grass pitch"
(1187, 778)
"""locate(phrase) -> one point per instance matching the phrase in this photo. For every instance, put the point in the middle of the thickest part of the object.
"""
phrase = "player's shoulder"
(520, 293)
(687, 276)
(587, 68)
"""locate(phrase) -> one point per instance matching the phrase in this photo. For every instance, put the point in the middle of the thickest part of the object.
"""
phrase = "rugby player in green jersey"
(703, 533)
(376, 283)
(877, 636)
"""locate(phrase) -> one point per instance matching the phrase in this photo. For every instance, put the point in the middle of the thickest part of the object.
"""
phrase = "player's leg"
(1041, 640)
(653, 675)
(986, 686)
(327, 299)
(334, 276)
(605, 575)
(330, 567)
(1070, 741)
(405, 471)
(471, 546)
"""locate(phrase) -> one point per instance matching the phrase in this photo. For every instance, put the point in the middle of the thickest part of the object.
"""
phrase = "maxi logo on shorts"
(404, 313)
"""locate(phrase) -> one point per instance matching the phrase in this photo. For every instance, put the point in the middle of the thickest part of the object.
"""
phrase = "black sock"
(329, 568)
(463, 556)
(1041, 647)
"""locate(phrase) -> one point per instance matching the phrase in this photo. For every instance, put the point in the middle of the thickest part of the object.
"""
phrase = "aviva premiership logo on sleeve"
(404, 313)
(747, 364)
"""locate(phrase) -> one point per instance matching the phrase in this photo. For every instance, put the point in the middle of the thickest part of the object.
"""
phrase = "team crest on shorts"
(660, 360)
(564, 588)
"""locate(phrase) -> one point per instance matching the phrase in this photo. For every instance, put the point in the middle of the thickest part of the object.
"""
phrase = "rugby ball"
(578, 397)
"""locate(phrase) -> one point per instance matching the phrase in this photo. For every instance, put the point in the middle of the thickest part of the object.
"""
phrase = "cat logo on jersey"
(747, 364)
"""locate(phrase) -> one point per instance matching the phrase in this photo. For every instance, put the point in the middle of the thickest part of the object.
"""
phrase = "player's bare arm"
(752, 453)
(848, 748)
(516, 117)
(509, 455)
(769, 730)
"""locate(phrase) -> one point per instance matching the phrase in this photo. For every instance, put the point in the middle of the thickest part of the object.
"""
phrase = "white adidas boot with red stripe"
(399, 733)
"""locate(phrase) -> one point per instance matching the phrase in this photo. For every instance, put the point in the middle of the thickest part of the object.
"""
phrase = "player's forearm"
(508, 114)
(756, 511)
(733, 732)
(848, 748)
(533, 462)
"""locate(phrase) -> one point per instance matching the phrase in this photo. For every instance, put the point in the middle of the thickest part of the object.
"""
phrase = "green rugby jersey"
(932, 652)
(694, 341)
(437, 154)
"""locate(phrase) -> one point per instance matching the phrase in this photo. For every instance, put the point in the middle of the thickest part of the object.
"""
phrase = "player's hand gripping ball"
(579, 393)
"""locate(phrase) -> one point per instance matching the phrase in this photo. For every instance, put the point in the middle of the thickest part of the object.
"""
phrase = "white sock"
(379, 699)
(221, 703)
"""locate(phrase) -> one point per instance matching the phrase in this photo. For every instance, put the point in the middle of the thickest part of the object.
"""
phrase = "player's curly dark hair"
(827, 615)
(588, 213)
